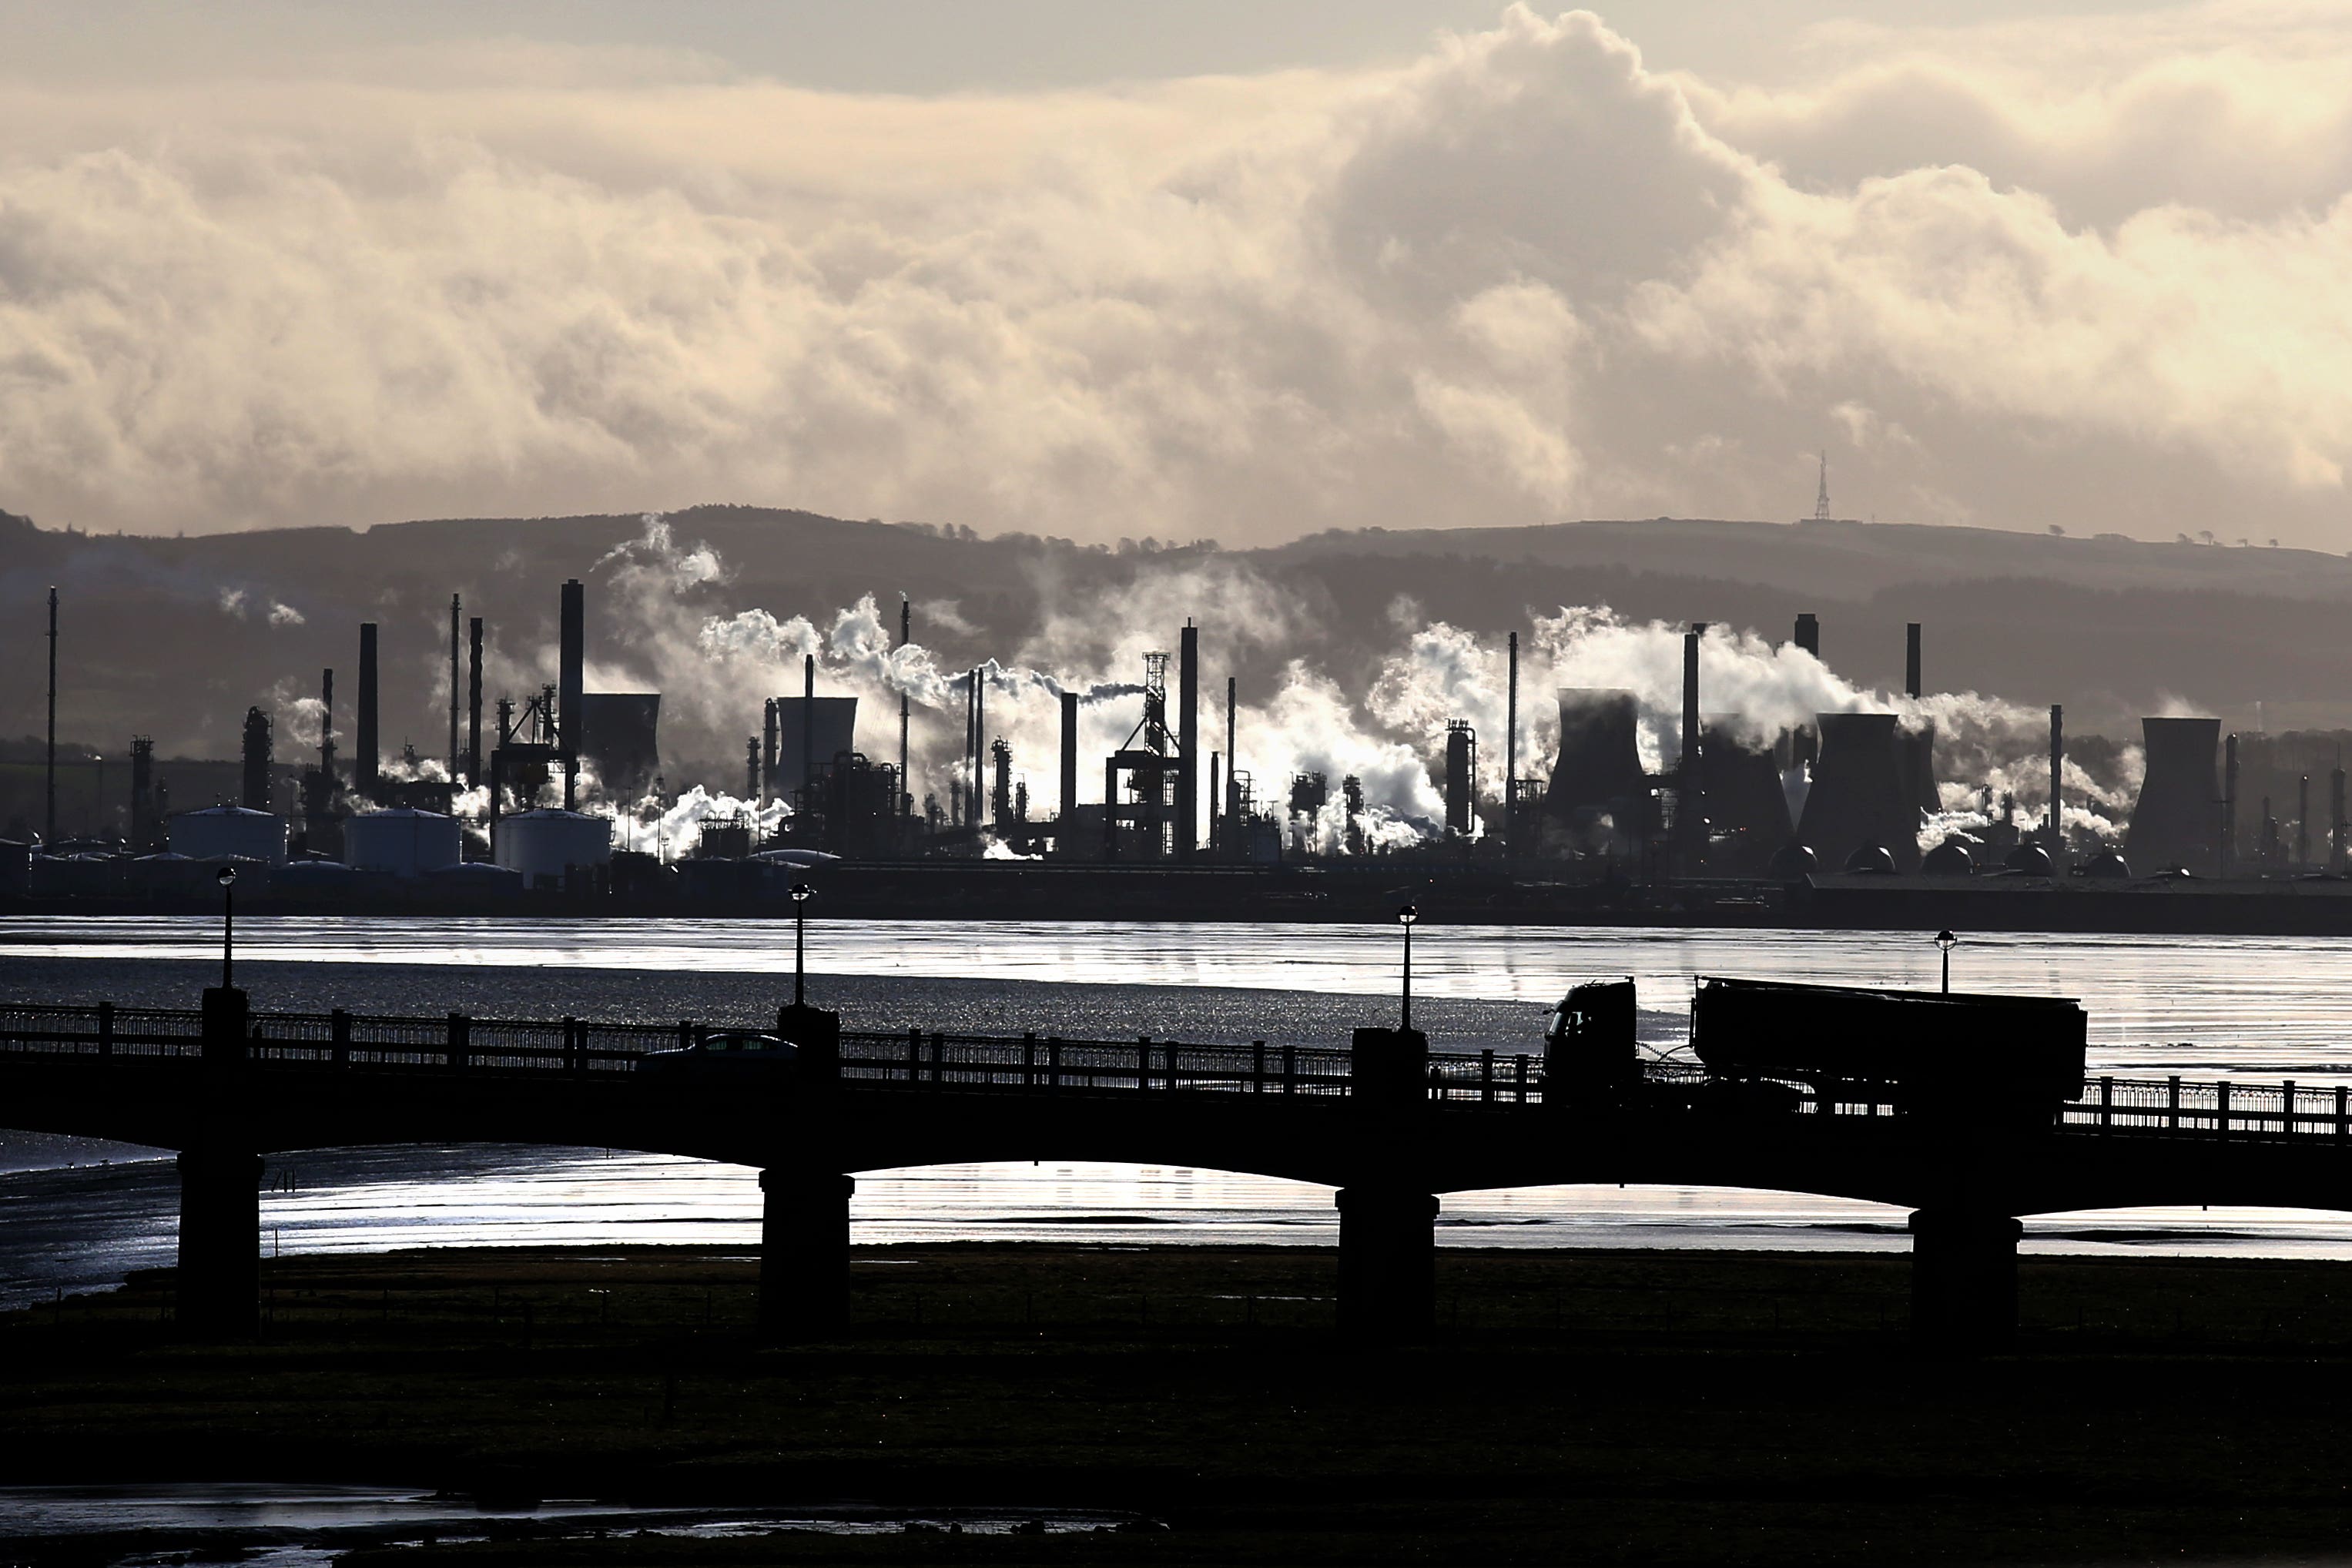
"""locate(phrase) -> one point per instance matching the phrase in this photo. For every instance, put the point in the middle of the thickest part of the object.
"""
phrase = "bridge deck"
(2109, 1106)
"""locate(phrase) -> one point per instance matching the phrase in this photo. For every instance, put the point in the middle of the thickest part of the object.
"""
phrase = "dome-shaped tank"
(227, 833)
(1870, 860)
(1793, 862)
(2108, 866)
(403, 842)
(2028, 860)
(544, 846)
(1950, 858)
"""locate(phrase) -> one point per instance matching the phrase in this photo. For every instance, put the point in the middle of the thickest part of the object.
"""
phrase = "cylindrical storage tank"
(544, 846)
(403, 842)
(227, 833)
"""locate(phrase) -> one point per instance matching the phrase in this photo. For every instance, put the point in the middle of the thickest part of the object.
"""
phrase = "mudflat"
(1582, 1406)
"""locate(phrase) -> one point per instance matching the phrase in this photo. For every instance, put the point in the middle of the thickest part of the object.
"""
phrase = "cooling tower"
(832, 722)
(1746, 809)
(623, 742)
(1858, 796)
(1599, 771)
(2178, 818)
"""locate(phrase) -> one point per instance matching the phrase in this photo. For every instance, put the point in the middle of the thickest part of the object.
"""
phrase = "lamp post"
(1405, 917)
(802, 893)
(1944, 942)
(227, 877)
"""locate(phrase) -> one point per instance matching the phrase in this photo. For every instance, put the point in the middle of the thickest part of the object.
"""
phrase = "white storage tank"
(544, 844)
(228, 833)
(404, 842)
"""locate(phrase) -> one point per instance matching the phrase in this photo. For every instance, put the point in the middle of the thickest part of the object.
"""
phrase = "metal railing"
(1051, 1064)
(2214, 1107)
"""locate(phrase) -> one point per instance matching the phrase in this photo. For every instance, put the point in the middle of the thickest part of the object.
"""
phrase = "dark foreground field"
(1595, 1407)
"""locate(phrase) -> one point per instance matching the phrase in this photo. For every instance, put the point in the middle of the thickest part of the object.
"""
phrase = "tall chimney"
(2229, 803)
(808, 719)
(367, 761)
(2303, 823)
(1690, 789)
(1809, 633)
(454, 607)
(1188, 741)
(769, 739)
(571, 684)
(2057, 793)
(2336, 824)
(1233, 766)
(49, 820)
(327, 730)
(905, 805)
(1511, 755)
(474, 702)
(751, 769)
(1067, 840)
(1911, 659)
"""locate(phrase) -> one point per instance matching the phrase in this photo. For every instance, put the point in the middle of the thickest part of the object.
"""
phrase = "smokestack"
(474, 701)
(906, 802)
(368, 760)
(2229, 803)
(326, 728)
(1232, 768)
(1690, 787)
(1188, 741)
(752, 768)
(1067, 840)
(1216, 836)
(49, 819)
(257, 760)
(1809, 633)
(2335, 824)
(808, 721)
(142, 795)
(453, 684)
(770, 741)
(978, 740)
(571, 684)
(2057, 791)
(1911, 659)
(2303, 822)
(1511, 754)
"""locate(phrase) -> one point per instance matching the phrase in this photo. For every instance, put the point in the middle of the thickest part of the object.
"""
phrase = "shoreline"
(1205, 1388)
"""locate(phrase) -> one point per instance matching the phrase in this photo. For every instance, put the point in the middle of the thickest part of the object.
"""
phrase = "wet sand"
(1611, 1407)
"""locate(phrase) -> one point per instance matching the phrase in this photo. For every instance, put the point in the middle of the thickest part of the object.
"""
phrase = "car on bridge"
(735, 1055)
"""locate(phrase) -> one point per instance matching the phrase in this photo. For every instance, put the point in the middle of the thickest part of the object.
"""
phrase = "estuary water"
(74, 1214)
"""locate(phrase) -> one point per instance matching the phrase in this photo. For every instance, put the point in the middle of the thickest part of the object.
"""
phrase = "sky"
(1225, 270)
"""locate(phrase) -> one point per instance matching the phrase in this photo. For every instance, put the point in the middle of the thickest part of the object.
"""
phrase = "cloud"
(2089, 270)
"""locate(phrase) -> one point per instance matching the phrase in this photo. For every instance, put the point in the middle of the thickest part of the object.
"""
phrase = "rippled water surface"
(2248, 1006)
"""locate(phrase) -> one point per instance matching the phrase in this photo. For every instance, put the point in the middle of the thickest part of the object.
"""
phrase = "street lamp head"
(803, 892)
(1407, 915)
(1947, 940)
(224, 875)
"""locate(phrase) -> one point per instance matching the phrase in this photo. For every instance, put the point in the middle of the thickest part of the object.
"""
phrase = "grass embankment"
(1593, 1407)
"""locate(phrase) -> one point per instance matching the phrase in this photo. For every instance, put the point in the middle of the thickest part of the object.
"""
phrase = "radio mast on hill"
(1822, 504)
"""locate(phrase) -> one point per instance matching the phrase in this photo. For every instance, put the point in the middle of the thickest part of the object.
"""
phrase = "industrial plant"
(556, 797)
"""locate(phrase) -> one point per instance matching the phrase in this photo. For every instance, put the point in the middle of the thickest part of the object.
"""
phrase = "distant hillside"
(176, 638)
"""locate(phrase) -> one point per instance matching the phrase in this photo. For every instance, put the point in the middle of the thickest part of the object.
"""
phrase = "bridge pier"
(804, 1253)
(1388, 1263)
(1963, 1280)
(219, 1279)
